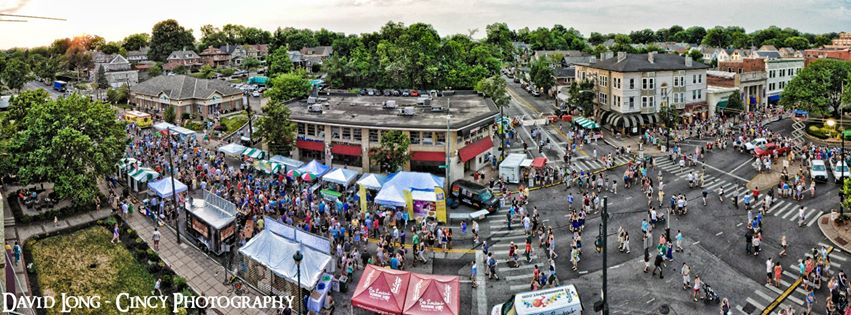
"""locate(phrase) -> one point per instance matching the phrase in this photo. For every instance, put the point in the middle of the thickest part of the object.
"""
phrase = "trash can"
(344, 284)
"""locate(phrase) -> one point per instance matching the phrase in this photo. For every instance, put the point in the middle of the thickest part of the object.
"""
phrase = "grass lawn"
(234, 122)
(85, 263)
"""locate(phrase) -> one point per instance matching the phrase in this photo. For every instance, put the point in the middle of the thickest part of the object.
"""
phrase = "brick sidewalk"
(204, 275)
(838, 235)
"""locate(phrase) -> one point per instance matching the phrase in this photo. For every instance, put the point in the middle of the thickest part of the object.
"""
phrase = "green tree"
(734, 101)
(818, 87)
(70, 142)
(542, 75)
(250, 63)
(101, 78)
(169, 115)
(643, 36)
(582, 96)
(168, 36)
(118, 95)
(797, 42)
(155, 70)
(136, 41)
(494, 88)
(717, 37)
(669, 116)
(20, 105)
(276, 128)
(596, 38)
(15, 74)
(47, 68)
(205, 72)
(392, 152)
(499, 36)
(279, 62)
(695, 34)
(288, 86)
(110, 48)
(695, 55)
(180, 69)
(78, 58)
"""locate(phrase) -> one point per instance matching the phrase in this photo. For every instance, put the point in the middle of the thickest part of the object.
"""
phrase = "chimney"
(688, 61)
(610, 55)
(592, 60)
(621, 56)
(650, 56)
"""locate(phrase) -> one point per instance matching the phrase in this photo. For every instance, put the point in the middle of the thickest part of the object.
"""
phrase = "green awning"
(143, 174)
(586, 123)
(846, 133)
(721, 105)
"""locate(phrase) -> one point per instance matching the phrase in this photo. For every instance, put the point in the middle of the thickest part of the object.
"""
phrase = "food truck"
(511, 167)
(142, 120)
(556, 301)
(212, 221)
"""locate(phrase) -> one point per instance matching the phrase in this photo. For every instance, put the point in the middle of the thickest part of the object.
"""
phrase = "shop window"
(441, 138)
(428, 137)
(335, 132)
(415, 137)
(356, 133)
(300, 127)
(347, 133)
(311, 129)
(373, 135)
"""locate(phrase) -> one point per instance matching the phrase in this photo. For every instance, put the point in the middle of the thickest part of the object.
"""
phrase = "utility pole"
(502, 132)
(604, 216)
(173, 192)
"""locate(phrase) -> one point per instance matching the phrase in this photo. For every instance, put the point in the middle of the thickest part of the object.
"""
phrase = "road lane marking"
(743, 164)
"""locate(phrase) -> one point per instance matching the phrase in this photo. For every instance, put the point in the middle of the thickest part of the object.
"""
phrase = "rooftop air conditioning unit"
(311, 100)
(407, 111)
(315, 108)
(390, 104)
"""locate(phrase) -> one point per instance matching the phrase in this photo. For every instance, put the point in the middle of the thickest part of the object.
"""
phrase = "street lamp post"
(604, 217)
(446, 167)
(298, 257)
(173, 192)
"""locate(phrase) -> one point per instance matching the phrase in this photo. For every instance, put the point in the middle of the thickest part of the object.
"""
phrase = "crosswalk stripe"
(754, 303)
(778, 291)
(507, 269)
(775, 206)
(814, 218)
(509, 237)
(785, 208)
(519, 287)
(763, 295)
(789, 214)
(739, 308)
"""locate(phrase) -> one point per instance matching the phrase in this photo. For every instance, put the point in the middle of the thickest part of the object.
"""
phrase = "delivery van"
(143, 120)
(473, 195)
(556, 301)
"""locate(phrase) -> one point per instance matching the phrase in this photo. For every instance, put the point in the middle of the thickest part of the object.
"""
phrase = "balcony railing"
(680, 106)
(648, 110)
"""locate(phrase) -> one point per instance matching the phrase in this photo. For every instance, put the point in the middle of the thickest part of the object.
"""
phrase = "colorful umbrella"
(308, 177)
(293, 174)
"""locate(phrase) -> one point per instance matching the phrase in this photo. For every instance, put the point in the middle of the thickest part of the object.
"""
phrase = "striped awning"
(268, 167)
(253, 153)
(651, 119)
(585, 123)
(126, 164)
(624, 121)
(143, 174)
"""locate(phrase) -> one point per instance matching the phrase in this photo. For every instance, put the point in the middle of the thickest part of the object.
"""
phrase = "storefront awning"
(310, 145)
(343, 149)
(472, 150)
(721, 105)
(428, 156)
(774, 98)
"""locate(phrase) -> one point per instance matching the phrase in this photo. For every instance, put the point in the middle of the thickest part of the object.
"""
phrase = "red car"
(769, 149)
(415, 93)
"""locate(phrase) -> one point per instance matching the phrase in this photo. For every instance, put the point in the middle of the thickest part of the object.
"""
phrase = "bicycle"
(236, 286)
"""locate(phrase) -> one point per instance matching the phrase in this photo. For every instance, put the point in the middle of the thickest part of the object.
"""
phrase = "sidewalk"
(203, 275)
(838, 235)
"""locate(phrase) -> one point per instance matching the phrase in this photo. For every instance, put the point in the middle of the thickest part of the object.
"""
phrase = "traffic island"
(837, 233)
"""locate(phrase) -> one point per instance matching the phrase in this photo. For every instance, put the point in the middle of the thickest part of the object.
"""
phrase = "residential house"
(843, 42)
(631, 89)
(186, 58)
(739, 54)
(200, 97)
(748, 75)
(259, 51)
(316, 55)
(811, 55)
(767, 48)
(573, 57)
(296, 58)
(137, 56)
(215, 57)
(789, 52)
(117, 70)
(780, 72)
(235, 54)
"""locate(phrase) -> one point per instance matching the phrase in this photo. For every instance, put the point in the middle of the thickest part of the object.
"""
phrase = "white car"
(755, 143)
(839, 169)
(256, 94)
(818, 172)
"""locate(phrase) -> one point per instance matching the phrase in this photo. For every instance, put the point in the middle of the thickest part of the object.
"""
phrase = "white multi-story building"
(780, 71)
(631, 89)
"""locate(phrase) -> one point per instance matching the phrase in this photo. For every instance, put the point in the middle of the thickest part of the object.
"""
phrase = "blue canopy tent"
(163, 187)
(315, 168)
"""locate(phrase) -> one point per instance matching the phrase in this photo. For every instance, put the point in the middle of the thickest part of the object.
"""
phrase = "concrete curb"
(830, 232)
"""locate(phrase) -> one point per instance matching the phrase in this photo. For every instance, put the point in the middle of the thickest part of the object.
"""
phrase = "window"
(631, 84)
(632, 102)
(694, 77)
(604, 81)
(356, 133)
(335, 132)
(771, 73)
(647, 102)
(441, 138)
(428, 137)
(699, 94)
(693, 95)
(679, 81)
(300, 127)
(415, 137)
(373, 135)
(311, 129)
(347, 133)
(782, 72)
(643, 101)
(648, 84)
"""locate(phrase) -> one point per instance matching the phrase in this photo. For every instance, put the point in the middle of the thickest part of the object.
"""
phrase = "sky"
(115, 19)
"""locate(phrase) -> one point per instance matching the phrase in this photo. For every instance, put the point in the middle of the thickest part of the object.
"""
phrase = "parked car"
(370, 92)
(395, 92)
(406, 93)
(769, 149)
(755, 143)
(362, 92)
(472, 194)
(818, 172)
(415, 93)
(255, 94)
(839, 169)
(536, 93)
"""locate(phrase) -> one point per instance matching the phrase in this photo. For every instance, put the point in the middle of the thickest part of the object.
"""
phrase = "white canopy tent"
(390, 196)
(340, 176)
(163, 187)
(289, 163)
(180, 131)
(372, 181)
(276, 253)
(232, 149)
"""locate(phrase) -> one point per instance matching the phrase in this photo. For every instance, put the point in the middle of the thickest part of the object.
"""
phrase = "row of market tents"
(137, 176)
(388, 291)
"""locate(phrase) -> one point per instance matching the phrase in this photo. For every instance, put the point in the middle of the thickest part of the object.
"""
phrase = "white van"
(556, 301)
(839, 168)
(818, 172)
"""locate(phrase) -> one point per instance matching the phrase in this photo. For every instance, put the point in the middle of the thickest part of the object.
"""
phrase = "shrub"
(194, 125)
(167, 282)
(818, 132)
(179, 283)
(110, 221)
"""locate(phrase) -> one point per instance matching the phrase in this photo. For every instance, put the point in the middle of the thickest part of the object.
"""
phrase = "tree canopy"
(494, 88)
(276, 128)
(542, 75)
(818, 87)
(288, 86)
(392, 152)
(279, 62)
(168, 36)
(70, 142)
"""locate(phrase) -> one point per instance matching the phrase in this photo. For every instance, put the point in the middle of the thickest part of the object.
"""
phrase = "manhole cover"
(664, 309)
(824, 220)
(749, 308)
(841, 241)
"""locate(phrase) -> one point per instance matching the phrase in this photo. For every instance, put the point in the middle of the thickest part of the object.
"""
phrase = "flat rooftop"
(368, 111)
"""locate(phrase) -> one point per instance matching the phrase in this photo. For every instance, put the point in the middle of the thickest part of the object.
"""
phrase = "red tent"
(433, 295)
(381, 290)
(539, 162)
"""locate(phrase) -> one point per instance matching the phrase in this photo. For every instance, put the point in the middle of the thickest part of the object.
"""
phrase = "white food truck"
(556, 301)
(510, 168)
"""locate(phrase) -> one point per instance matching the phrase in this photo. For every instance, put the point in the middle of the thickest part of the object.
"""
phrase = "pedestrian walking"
(769, 270)
(658, 266)
(778, 270)
(679, 239)
(158, 287)
(474, 270)
(156, 237)
(16, 250)
(783, 246)
(114, 234)
(801, 216)
(696, 288)
(684, 271)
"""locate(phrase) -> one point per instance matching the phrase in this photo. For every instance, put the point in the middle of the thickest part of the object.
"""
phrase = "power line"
(32, 17)
(2, 20)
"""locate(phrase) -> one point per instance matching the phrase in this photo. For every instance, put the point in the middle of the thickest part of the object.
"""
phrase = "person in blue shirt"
(394, 263)
(570, 201)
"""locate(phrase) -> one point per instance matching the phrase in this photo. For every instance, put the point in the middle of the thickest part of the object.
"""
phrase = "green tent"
(586, 123)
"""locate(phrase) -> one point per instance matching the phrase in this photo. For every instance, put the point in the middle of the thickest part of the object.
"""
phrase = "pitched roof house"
(187, 94)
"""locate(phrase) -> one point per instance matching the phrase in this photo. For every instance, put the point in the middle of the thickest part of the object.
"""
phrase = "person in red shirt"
(755, 193)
